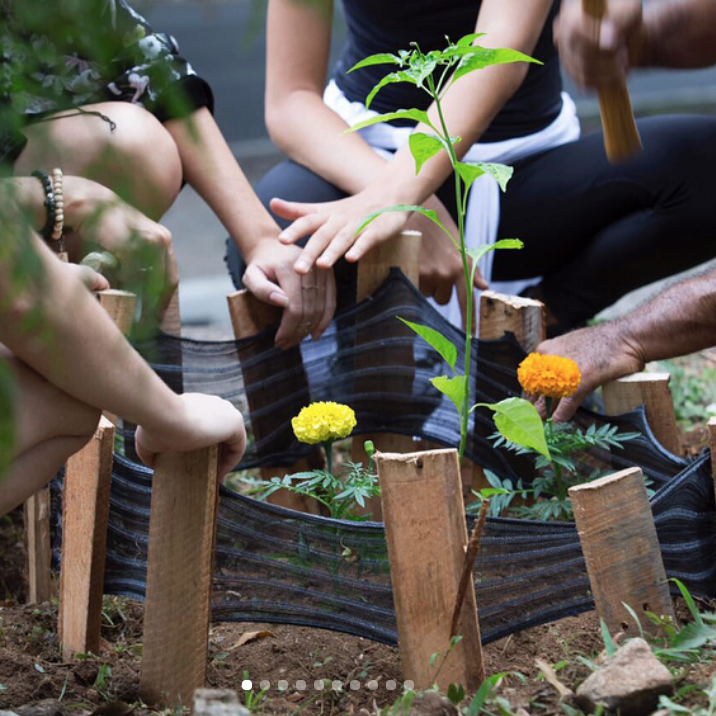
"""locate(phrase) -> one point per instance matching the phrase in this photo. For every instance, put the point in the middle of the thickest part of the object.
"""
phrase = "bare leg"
(51, 426)
(139, 160)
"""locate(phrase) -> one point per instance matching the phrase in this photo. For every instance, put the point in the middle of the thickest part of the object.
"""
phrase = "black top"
(390, 25)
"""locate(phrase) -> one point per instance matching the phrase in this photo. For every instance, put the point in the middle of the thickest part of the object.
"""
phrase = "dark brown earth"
(31, 668)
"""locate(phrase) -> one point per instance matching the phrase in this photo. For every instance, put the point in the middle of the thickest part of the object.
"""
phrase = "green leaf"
(392, 78)
(454, 388)
(413, 114)
(692, 636)
(467, 40)
(456, 694)
(436, 340)
(423, 147)
(492, 491)
(690, 603)
(519, 422)
(382, 58)
(501, 173)
(609, 646)
(428, 213)
(477, 253)
(433, 658)
(469, 172)
(484, 57)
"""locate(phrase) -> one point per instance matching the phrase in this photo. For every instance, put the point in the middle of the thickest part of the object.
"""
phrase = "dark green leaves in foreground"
(436, 340)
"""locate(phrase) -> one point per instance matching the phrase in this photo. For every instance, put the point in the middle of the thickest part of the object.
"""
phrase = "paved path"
(224, 41)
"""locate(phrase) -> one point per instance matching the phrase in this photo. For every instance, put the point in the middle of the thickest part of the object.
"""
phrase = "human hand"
(333, 227)
(598, 52)
(603, 353)
(201, 421)
(309, 301)
(441, 267)
(92, 280)
(97, 217)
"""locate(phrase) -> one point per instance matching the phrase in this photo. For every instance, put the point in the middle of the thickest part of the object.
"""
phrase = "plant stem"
(328, 449)
(560, 487)
(465, 413)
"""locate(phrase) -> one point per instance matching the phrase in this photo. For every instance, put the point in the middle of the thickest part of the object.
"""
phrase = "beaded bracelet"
(49, 202)
(58, 226)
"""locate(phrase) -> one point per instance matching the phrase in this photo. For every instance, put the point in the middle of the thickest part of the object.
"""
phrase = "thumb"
(567, 407)
(146, 456)
(290, 210)
(264, 289)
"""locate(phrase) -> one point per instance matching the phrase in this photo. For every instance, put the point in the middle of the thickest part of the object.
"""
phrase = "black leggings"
(593, 230)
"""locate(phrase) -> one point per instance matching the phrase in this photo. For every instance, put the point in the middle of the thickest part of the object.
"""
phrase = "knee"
(144, 157)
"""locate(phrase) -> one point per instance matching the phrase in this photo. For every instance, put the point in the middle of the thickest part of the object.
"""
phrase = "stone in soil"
(432, 704)
(630, 681)
(218, 702)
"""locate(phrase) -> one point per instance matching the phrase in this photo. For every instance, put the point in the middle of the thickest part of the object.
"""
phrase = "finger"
(462, 301)
(372, 236)
(288, 333)
(265, 290)
(567, 408)
(443, 290)
(303, 226)
(343, 240)
(230, 453)
(309, 295)
(92, 279)
(329, 306)
(316, 245)
(291, 210)
(146, 456)
(479, 282)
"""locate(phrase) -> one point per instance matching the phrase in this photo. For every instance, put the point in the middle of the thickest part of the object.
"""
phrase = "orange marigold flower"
(551, 376)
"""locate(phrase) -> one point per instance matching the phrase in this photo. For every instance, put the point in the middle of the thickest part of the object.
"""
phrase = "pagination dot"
(409, 685)
(301, 685)
(372, 684)
(265, 685)
(246, 685)
(336, 685)
(318, 685)
(355, 685)
(390, 685)
(282, 685)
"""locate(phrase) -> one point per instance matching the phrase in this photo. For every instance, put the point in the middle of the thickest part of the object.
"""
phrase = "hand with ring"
(309, 300)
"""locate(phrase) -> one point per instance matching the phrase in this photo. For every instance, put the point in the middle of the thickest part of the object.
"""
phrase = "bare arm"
(469, 109)
(52, 323)
(679, 321)
(300, 124)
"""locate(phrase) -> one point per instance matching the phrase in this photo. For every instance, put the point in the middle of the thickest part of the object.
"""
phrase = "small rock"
(48, 707)
(630, 681)
(218, 702)
(432, 704)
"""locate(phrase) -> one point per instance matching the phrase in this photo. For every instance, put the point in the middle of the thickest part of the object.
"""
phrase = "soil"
(31, 669)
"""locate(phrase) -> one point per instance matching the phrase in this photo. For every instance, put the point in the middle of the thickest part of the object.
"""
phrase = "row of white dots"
(322, 685)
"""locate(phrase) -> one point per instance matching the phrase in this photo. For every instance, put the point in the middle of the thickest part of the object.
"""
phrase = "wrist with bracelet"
(54, 229)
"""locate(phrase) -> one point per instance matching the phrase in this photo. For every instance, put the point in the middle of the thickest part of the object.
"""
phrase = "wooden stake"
(403, 252)
(652, 391)
(85, 507)
(621, 549)
(249, 316)
(177, 609)
(39, 549)
(120, 305)
(712, 447)
(500, 314)
(621, 135)
(426, 533)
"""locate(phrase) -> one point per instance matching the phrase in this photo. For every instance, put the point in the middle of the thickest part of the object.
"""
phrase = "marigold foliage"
(322, 422)
(551, 376)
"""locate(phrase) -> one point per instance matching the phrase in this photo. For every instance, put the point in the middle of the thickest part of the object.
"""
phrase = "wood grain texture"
(38, 547)
(85, 510)
(500, 314)
(403, 252)
(652, 391)
(120, 305)
(249, 317)
(712, 447)
(177, 611)
(621, 135)
(621, 549)
(426, 533)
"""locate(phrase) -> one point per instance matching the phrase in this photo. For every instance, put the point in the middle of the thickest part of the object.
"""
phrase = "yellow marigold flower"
(321, 422)
(551, 376)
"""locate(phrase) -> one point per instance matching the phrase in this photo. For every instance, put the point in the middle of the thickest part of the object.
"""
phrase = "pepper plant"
(435, 72)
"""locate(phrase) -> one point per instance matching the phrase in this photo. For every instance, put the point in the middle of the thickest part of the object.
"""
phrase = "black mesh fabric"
(280, 566)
